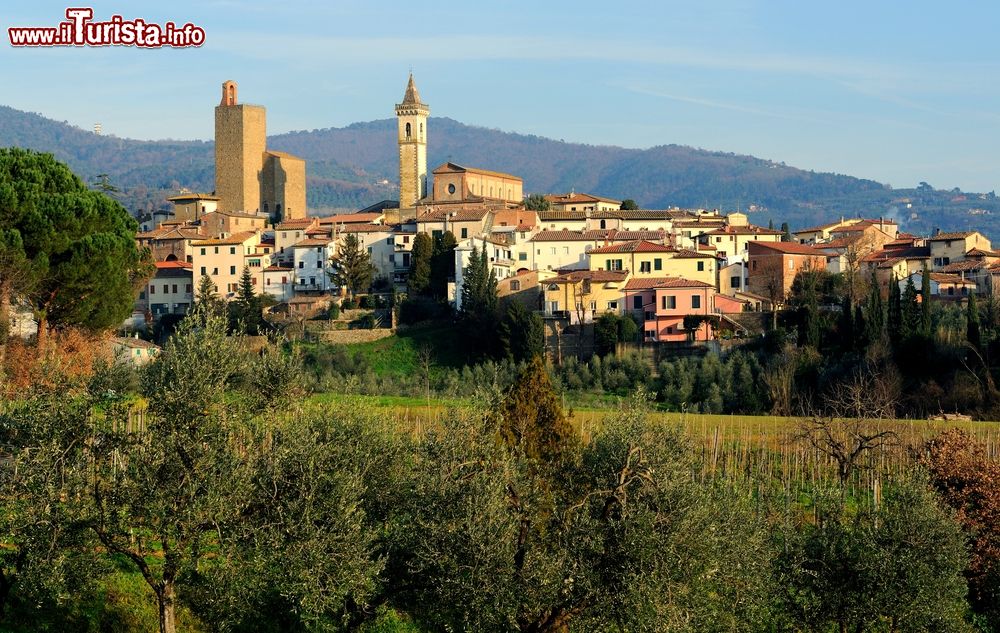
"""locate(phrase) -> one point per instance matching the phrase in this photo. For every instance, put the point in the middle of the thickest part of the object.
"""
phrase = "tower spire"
(411, 96)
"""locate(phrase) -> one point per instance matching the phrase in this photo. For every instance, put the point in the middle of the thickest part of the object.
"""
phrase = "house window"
(203, 251)
(152, 289)
(657, 264)
(216, 249)
(523, 257)
(669, 302)
(515, 285)
(302, 264)
(465, 233)
(734, 282)
(645, 267)
(696, 302)
(701, 266)
(319, 264)
(232, 250)
(565, 250)
(173, 288)
(187, 288)
(203, 270)
(612, 305)
(637, 302)
(553, 249)
(166, 289)
(232, 270)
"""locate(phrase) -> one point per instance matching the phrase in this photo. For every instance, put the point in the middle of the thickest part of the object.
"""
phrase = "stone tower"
(240, 143)
(412, 117)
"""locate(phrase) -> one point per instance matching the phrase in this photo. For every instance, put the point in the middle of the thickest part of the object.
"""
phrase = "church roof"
(453, 168)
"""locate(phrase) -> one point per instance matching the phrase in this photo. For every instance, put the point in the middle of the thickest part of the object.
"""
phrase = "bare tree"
(424, 357)
(852, 428)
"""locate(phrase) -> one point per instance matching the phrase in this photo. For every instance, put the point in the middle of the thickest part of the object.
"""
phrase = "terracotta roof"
(686, 253)
(562, 215)
(638, 235)
(840, 242)
(173, 265)
(462, 215)
(364, 228)
(749, 229)
(237, 214)
(299, 223)
(602, 276)
(788, 248)
(648, 283)
(350, 218)
(451, 168)
(311, 242)
(964, 265)
(944, 278)
(978, 252)
(570, 236)
(273, 268)
(571, 198)
(235, 238)
(637, 246)
(956, 235)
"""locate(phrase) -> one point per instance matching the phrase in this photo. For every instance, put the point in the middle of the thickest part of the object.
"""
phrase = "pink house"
(661, 303)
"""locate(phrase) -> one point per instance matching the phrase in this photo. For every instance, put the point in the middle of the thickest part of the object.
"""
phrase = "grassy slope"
(399, 355)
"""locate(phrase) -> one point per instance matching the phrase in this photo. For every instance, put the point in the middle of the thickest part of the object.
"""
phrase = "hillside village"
(571, 256)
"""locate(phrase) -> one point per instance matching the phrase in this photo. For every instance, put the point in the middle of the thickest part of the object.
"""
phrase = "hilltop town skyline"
(743, 77)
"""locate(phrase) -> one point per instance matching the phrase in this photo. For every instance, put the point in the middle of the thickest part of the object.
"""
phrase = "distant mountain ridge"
(354, 166)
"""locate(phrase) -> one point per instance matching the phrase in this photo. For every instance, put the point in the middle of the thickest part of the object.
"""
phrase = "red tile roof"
(637, 246)
(602, 276)
(351, 218)
(173, 265)
(648, 283)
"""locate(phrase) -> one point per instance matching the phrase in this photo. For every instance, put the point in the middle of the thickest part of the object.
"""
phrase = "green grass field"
(400, 354)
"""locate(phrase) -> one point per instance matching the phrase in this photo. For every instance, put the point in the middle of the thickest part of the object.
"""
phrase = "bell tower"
(411, 115)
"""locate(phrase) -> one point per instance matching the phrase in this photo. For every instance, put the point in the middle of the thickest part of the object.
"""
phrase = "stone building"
(248, 177)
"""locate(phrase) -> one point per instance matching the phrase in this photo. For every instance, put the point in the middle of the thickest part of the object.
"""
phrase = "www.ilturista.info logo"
(79, 29)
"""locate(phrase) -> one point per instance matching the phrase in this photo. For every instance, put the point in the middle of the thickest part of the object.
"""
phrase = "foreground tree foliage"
(70, 250)
(621, 540)
(895, 567)
(969, 481)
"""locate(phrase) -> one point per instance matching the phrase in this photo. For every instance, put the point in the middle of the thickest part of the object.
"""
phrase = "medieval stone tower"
(248, 177)
(240, 143)
(412, 116)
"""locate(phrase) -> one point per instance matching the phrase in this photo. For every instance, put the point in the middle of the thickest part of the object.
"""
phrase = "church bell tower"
(412, 117)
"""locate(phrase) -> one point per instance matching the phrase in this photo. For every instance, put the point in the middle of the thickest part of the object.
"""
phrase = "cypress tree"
(860, 329)
(874, 312)
(912, 319)
(894, 317)
(972, 327)
(925, 302)
(533, 419)
(786, 233)
(419, 280)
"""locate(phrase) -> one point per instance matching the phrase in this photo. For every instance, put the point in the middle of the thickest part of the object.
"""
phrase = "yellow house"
(223, 260)
(583, 295)
(643, 258)
(581, 202)
(730, 241)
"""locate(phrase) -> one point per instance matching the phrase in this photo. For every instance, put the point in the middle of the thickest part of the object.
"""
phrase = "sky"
(900, 92)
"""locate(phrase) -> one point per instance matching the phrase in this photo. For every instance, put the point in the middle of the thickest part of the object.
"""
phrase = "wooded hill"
(354, 166)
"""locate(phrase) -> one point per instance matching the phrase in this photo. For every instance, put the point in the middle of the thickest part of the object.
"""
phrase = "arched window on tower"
(232, 94)
(407, 130)
(421, 131)
(604, 224)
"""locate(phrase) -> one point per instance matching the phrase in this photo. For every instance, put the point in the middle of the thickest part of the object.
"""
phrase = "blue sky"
(896, 91)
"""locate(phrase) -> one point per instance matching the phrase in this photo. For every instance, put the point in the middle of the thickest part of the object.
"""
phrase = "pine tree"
(419, 281)
(894, 316)
(351, 266)
(208, 302)
(245, 309)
